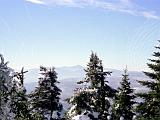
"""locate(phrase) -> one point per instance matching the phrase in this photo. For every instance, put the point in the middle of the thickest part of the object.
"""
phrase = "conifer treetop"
(150, 107)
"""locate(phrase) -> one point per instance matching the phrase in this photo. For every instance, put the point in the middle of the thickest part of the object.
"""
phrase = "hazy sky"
(63, 32)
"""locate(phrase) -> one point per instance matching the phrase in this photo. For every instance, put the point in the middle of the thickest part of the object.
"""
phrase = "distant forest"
(95, 99)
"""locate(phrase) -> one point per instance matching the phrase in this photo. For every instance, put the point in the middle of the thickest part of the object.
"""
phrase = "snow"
(54, 115)
(84, 116)
(117, 106)
(81, 117)
(71, 111)
(90, 90)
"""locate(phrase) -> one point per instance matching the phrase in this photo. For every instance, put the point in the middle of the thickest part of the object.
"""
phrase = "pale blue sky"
(63, 32)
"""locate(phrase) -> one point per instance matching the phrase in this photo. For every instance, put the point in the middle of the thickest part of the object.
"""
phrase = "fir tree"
(5, 88)
(149, 109)
(124, 100)
(19, 98)
(93, 98)
(45, 98)
(96, 75)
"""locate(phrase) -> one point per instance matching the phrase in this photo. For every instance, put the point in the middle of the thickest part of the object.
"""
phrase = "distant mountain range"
(68, 77)
(77, 72)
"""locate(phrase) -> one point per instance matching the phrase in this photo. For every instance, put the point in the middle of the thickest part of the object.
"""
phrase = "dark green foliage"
(5, 87)
(45, 98)
(95, 75)
(93, 96)
(124, 100)
(19, 98)
(80, 102)
(149, 109)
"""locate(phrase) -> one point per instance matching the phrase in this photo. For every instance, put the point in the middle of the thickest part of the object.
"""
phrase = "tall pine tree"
(5, 88)
(19, 98)
(45, 98)
(149, 108)
(93, 98)
(124, 100)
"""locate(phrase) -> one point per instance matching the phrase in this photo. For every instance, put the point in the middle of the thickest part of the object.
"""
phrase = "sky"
(64, 32)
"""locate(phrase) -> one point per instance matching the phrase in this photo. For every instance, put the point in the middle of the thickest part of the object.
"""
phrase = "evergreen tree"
(149, 108)
(92, 99)
(19, 98)
(45, 98)
(80, 102)
(124, 100)
(5, 88)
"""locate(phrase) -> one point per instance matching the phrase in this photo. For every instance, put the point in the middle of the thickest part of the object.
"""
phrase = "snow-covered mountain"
(63, 73)
(68, 76)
